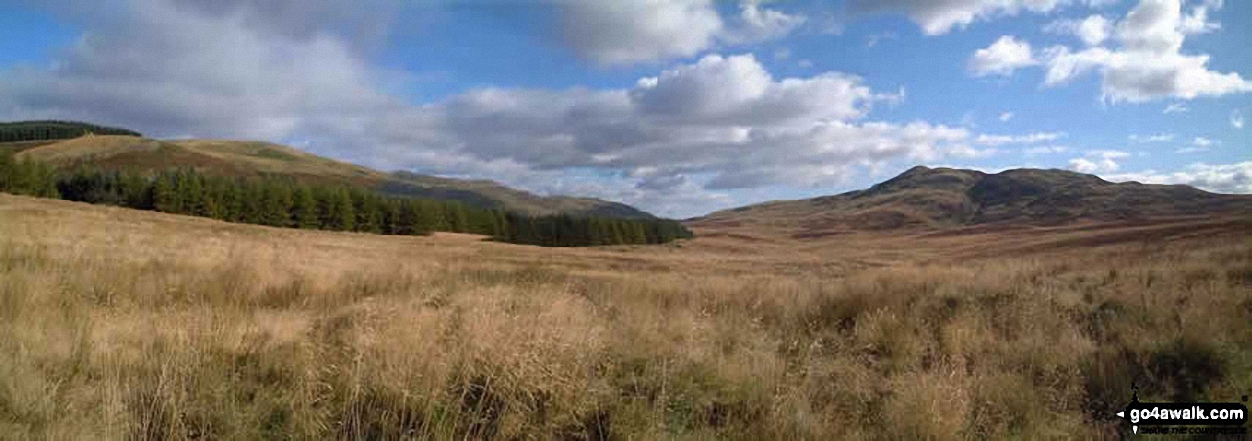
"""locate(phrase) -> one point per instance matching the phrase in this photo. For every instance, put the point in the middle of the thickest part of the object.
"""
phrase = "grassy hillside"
(118, 323)
(944, 198)
(242, 158)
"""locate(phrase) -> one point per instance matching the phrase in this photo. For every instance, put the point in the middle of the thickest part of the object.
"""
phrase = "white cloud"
(1082, 165)
(782, 53)
(622, 32)
(1149, 64)
(1162, 137)
(804, 63)
(1003, 57)
(719, 123)
(1031, 138)
(1110, 154)
(1006, 116)
(965, 151)
(172, 69)
(1098, 161)
(1199, 144)
(757, 23)
(937, 17)
(1220, 178)
(632, 31)
(1175, 108)
(1046, 150)
(1092, 30)
(1236, 119)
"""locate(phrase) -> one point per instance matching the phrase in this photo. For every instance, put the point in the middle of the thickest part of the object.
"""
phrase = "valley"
(128, 324)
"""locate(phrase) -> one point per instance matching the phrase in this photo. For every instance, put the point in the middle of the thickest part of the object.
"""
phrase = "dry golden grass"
(124, 324)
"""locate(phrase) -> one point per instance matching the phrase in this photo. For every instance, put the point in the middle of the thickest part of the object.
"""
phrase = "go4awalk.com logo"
(1186, 418)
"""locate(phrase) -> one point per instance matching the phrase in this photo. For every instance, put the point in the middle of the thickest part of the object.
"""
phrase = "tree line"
(285, 203)
(51, 130)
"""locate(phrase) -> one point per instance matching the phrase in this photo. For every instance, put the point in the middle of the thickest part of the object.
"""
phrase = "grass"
(122, 324)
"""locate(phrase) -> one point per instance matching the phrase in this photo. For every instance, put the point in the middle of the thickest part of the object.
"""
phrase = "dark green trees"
(572, 231)
(48, 130)
(27, 177)
(284, 203)
(304, 209)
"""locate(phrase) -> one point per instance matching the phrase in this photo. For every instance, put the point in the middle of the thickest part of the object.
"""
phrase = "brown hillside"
(248, 158)
(924, 199)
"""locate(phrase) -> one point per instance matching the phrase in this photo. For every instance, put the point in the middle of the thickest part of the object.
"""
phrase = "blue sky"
(679, 107)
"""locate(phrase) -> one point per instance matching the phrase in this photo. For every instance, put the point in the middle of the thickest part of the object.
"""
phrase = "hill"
(943, 198)
(247, 159)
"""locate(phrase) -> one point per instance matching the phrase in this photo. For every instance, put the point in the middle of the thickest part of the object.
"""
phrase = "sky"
(678, 107)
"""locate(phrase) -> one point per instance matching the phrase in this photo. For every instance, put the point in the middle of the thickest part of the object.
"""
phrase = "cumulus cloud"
(1149, 63)
(1003, 57)
(1093, 30)
(1220, 178)
(1098, 161)
(632, 31)
(1006, 116)
(937, 17)
(725, 119)
(1236, 119)
(173, 69)
(757, 23)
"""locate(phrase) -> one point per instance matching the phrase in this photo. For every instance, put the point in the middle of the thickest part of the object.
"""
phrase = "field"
(124, 324)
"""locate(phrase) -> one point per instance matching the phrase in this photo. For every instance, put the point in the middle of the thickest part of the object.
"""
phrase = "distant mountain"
(245, 159)
(926, 198)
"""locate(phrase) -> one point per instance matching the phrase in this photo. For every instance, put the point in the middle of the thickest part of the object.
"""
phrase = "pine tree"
(194, 196)
(335, 207)
(368, 215)
(276, 204)
(616, 237)
(457, 221)
(165, 196)
(8, 167)
(304, 208)
(251, 201)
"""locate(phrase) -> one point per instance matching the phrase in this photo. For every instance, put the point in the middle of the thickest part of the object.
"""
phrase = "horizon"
(678, 108)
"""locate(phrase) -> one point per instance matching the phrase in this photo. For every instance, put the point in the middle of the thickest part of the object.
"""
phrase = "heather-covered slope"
(925, 198)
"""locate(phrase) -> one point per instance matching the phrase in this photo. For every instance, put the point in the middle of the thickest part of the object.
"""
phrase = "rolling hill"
(924, 199)
(247, 158)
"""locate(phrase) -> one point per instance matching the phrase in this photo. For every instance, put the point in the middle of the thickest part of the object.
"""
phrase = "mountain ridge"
(943, 198)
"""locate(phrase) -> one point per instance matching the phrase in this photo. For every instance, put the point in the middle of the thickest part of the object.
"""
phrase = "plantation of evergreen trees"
(284, 203)
(50, 130)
